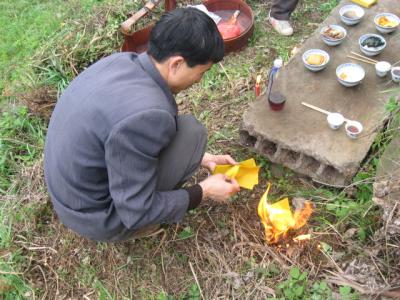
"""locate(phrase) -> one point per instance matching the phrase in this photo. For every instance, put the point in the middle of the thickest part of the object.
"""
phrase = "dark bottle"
(276, 100)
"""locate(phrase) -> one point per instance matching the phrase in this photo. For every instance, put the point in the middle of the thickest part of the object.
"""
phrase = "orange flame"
(278, 219)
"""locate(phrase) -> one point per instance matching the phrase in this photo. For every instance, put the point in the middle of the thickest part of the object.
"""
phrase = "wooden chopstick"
(365, 57)
(316, 108)
(360, 59)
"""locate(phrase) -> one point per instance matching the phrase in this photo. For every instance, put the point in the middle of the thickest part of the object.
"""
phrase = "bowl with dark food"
(350, 74)
(353, 129)
(371, 44)
(333, 35)
(386, 22)
(315, 59)
(351, 14)
(395, 71)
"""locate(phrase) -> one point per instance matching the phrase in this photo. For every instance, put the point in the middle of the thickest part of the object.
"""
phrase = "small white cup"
(396, 74)
(335, 120)
(353, 129)
(382, 68)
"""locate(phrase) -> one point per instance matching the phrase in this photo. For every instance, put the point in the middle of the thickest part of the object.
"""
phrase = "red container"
(137, 41)
(225, 9)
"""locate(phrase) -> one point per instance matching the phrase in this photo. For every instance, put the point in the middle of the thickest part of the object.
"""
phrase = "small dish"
(315, 59)
(395, 74)
(382, 68)
(371, 44)
(353, 129)
(350, 74)
(335, 120)
(386, 22)
(351, 14)
(333, 35)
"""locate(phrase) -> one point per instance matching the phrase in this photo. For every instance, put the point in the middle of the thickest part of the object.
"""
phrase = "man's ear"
(175, 63)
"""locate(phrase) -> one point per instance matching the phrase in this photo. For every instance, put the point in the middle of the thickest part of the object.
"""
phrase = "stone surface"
(299, 137)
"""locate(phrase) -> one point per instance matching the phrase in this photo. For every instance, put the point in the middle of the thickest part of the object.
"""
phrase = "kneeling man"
(117, 152)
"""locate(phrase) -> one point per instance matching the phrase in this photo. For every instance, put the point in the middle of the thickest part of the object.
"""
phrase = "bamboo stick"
(365, 57)
(360, 59)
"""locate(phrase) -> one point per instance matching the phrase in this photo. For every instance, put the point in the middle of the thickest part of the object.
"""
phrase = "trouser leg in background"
(183, 156)
(282, 9)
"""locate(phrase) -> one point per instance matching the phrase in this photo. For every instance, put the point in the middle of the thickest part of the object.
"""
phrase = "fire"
(278, 218)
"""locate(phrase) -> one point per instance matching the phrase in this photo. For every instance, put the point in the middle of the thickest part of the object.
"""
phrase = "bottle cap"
(278, 63)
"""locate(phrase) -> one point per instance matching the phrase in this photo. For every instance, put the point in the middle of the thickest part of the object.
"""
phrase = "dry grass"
(220, 247)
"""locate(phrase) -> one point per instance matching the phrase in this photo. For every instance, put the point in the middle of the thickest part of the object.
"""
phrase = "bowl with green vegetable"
(371, 44)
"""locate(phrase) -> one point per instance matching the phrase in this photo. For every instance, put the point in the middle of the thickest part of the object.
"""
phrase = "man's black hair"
(188, 32)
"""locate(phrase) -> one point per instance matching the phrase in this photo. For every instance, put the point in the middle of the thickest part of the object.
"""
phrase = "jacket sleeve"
(132, 150)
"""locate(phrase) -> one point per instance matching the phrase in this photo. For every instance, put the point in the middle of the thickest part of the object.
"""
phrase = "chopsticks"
(320, 110)
(362, 58)
(316, 108)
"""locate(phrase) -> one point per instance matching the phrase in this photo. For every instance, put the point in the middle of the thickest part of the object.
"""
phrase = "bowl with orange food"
(386, 22)
(315, 59)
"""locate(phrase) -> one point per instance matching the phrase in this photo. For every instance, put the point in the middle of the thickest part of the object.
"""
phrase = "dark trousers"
(177, 163)
(282, 9)
(180, 160)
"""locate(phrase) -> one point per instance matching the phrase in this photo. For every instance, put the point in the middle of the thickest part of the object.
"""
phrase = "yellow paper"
(245, 173)
(365, 3)
(278, 218)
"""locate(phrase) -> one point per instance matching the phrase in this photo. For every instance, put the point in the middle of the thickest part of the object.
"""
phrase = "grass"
(24, 26)
(218, 250)
(21, 143)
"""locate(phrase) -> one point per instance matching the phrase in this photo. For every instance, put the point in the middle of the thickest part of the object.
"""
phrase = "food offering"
(351, 14)
(372, 44)
(333, 35)
(230, 29)
(353, 129)
(315, 59)
(396, 74)
(350, 74)
(382, 68)
(386, 22)
(335, 120)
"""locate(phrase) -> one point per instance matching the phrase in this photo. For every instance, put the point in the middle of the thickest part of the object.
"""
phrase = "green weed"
(21, 143)
(24, 26)
(12, 286)
(102, 291)
(294, 288)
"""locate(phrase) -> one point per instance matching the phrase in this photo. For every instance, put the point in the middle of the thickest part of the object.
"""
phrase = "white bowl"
(358, 11)
(382, 67)
(371, 51)
(390, 17)
(395, 74)
(350, 74)
(315, 68)
(351, 126)
(335, 120)
(332, 41)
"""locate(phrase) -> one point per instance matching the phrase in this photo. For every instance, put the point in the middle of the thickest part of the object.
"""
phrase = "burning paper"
(278, 219)
(245, 173)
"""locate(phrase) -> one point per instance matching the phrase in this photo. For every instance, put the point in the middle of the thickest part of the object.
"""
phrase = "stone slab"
(299, 137)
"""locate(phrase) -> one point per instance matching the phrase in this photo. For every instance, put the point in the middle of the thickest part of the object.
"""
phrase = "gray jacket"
(103, 142)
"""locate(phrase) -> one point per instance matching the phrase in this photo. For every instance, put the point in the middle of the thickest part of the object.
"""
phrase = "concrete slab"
(299, 137)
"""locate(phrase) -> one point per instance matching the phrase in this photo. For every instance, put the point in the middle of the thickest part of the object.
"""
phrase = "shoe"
(281, 26)
(147, 231)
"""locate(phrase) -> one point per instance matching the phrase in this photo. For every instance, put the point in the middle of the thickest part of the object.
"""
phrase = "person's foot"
(147, 231)
(281, 26)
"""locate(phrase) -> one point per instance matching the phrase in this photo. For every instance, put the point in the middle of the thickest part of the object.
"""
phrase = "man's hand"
(218, 187)
(210, 161)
